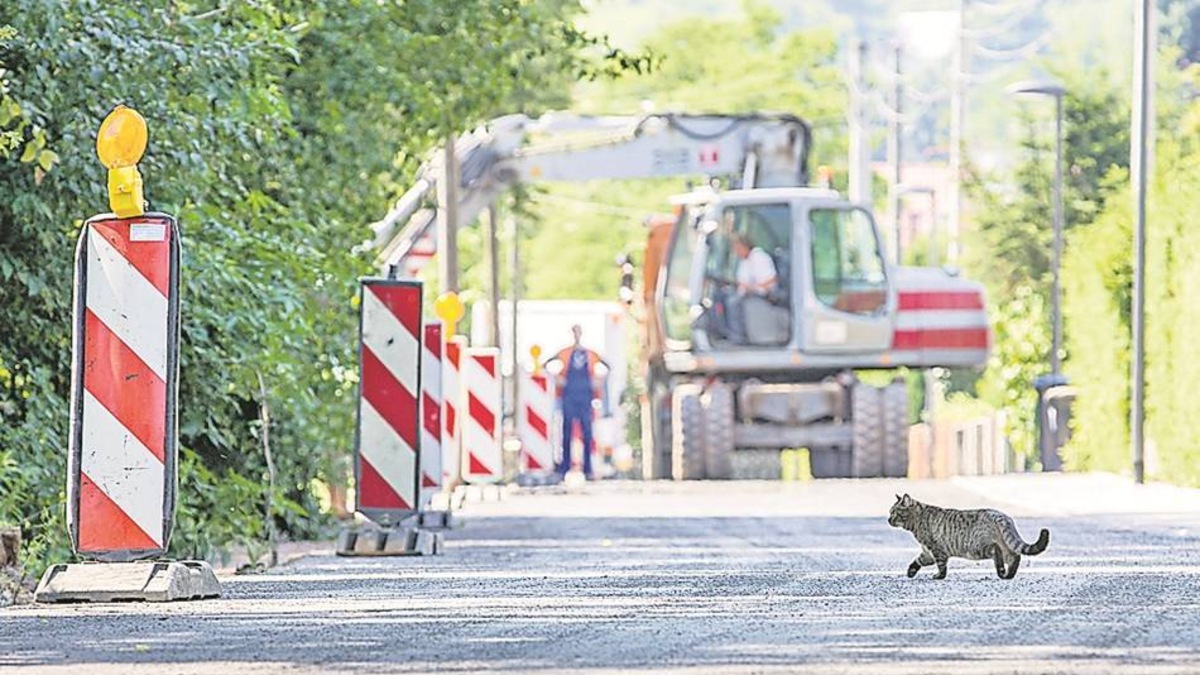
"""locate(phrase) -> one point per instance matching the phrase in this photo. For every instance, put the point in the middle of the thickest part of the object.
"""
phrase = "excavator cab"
(820, 281)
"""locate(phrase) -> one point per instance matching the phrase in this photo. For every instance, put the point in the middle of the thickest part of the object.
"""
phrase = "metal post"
(860, 158)
(958, 106)
(514, 262)
(494, 277)
(447, 193)
(1138, 159)
(1056, 298)
(896, 146)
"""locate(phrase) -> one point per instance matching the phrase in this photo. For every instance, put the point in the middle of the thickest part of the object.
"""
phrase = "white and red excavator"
(786, 380)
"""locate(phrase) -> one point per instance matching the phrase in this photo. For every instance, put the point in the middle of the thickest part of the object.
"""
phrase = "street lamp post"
(1057, 91)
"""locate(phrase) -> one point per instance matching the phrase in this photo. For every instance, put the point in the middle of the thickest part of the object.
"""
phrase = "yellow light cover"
(449, 309)
(121, 141)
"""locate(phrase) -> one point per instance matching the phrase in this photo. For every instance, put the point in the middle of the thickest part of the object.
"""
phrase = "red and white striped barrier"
(432, 348)
(386, 461)
(122, 459)
(453, 402)
(535, 423)
(481, 424)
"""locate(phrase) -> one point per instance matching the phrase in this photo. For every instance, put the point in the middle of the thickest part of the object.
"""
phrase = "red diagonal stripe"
(454, 354)
(451, 416)
(480, 413)
(432, 414)
(374, 492)
(940, 300)
(433, 340)
(428, 481)
(477, 467)
(390, 399)
(404, 302)
(540, 381)
(487, 362)
(103, 526)
(531, 462)
(124, 385)
(536, 421)
(951, 338)
(152, 259)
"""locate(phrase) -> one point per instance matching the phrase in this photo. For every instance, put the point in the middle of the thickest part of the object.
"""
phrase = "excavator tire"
(718, 420)
(866, 402)
(688, 446)
(895, 430)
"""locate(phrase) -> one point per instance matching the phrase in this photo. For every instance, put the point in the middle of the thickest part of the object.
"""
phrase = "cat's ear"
(906, 500)
(899, 498)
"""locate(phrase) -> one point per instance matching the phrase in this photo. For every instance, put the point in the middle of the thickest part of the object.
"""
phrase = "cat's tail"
(1038, 546)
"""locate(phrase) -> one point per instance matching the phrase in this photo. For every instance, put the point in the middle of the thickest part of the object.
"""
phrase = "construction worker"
(755, 276)
(579, 376)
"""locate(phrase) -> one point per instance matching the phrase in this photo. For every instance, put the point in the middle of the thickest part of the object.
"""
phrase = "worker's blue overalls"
(577, 405)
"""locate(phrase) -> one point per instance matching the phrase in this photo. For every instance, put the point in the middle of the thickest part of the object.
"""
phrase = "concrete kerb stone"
(131, 581)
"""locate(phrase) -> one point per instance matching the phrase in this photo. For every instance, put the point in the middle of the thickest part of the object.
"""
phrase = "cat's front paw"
(913, 569)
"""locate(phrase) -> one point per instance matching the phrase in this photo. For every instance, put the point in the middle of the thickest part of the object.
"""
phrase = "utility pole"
(447, 214)
(514, 262)
(958, 106)
(1139, 154)
(1056, 297)
(494, 277)
(895, 148)
(860, 141)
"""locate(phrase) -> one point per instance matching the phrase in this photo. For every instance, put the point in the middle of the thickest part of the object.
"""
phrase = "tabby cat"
(974, 535)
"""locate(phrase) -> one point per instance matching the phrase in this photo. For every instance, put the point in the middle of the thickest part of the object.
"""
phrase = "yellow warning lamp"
(450, 310)
(536, 352)
(120, 144)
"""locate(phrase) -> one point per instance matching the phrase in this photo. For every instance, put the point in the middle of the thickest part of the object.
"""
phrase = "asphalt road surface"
(696, 577)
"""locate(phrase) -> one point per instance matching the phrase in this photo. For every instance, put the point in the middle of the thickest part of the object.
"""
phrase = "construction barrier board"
(535, 422)
(121, 473)
(432, 349)
(482, 452)
(388, 439)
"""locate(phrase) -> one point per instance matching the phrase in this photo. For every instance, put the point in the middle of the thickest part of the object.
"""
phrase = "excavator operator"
(755, 276)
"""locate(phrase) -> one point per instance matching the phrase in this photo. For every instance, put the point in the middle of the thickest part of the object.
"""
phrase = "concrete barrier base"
(373, 541)
(438, 520)
(130, 581)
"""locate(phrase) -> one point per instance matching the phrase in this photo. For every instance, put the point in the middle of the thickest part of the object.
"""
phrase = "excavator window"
(677, 300)
(847, 265)
(749, 316)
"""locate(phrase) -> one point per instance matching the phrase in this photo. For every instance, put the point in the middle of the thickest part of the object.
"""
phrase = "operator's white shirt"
(755, 270)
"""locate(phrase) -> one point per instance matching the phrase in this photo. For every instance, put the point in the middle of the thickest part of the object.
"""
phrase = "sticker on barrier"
(453, 398)
(122, 457)
(535, 423)
(481, 423)
(386, 467)
(432, 348)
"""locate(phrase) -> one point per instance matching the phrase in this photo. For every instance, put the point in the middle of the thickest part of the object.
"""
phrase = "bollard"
(121, 462)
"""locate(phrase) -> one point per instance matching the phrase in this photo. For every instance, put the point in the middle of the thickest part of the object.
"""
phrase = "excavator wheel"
(688, 447)
(718, 420)
(866, 403)
(895, 429)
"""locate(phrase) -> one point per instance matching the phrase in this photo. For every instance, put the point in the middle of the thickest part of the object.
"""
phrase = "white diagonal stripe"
(388, 454)
(124, 469)
(390, 341)
(127, 303)
(941, 318)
